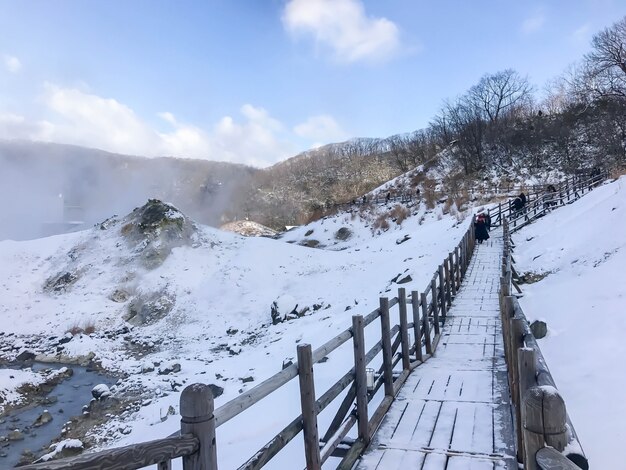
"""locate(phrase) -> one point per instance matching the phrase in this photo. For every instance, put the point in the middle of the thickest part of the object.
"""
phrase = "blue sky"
(256, 81)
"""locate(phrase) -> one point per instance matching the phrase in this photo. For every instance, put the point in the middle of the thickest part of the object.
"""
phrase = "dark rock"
(61, 282)
(247, 379)
(25, 356)
(232, 331)
(405, 279)
(287, 363)
(43, 418)
(66, 339)
(170, 369)
(539, 329)
(343, 234)
(308, 233)
(15, 435)
(403, 239)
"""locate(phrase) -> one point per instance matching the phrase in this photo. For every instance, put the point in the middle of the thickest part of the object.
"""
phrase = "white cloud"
(533, 23)
(344, 27)
(13, 126)
(322, 129)
(12, 64)
(83, 118)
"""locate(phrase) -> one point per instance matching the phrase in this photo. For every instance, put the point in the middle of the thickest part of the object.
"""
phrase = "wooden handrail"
(132, 456)
(541, 416)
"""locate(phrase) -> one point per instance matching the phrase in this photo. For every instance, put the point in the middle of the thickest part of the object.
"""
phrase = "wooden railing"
(538, 204)
(197, 444)
(545, 435)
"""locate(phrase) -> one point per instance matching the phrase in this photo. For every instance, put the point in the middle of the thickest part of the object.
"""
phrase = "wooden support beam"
(417, 324)
(404, 330)
(360, 380)
(442, 294)
(386, 340)
(426, 324)
(307, 402)
(433, 289)
(452, 275)
(196, 411)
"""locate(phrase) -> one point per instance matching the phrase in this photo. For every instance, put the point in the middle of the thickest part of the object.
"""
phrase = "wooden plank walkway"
(453, 412)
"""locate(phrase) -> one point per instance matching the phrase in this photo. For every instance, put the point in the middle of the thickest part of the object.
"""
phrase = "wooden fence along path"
(454, 411)
(540, 202)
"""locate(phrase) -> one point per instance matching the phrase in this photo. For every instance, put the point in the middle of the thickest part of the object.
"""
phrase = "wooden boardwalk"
(454, 412)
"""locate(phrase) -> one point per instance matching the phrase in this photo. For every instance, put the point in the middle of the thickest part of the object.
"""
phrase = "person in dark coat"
(488, 222)
(480, 229)
(517, 204)
(522, 196)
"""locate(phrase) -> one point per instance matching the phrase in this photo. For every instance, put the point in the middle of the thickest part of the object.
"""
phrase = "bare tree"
(603, 73)
(500, 93)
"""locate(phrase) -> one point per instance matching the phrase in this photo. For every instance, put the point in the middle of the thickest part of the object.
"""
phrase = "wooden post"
(527, 373)
(433, 289)
(517, 342)
(442, 296)
(417, 328)
(196, 411)
(447, 275)
(452, 275)
(386, 342)
(404, 330)
(309, 412)
(554, 418)
(457, 269)
(426, 325)
(360, 381)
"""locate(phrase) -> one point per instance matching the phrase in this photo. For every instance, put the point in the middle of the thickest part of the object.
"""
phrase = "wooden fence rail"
(540, 203)
(541, 419)
(197, 444)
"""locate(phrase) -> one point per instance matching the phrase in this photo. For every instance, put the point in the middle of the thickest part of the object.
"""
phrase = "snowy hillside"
(582, 249)
(164, 302)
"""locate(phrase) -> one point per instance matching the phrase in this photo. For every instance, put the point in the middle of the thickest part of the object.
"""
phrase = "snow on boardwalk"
(453, 412)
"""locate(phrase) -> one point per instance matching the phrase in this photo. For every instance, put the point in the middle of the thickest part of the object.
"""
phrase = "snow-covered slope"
(582, 247)
(204, 301)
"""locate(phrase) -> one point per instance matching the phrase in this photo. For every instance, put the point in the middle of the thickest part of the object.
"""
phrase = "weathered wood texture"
(550, 459)
(360, 379)
(386, 339)
(196, 412)
(309, 413)
(128, 457)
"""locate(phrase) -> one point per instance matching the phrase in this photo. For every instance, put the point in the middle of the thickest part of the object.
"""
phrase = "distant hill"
(49, 188)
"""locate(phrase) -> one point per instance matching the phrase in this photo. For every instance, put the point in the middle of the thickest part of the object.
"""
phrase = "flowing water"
(68, 399)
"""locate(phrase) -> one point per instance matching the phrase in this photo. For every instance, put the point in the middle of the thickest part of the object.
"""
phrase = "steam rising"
(51, 188)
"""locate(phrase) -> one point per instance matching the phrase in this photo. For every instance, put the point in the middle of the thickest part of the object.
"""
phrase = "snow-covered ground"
(583, 301)
(217, 293)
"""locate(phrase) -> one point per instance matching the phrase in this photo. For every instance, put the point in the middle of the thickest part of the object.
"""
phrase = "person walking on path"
(480, 229)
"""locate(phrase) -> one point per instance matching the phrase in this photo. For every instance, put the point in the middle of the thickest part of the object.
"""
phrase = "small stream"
(63, 402)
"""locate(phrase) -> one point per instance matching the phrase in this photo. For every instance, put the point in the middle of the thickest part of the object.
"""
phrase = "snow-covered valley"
(162, 311)
(217, 308)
